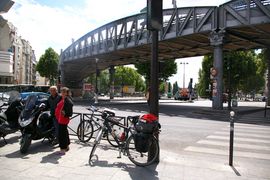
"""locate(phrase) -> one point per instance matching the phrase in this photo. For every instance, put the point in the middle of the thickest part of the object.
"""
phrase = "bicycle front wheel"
(145, 158)
(85, 131)
(117, 131)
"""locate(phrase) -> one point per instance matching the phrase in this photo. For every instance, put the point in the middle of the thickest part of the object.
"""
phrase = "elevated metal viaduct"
(186, 32)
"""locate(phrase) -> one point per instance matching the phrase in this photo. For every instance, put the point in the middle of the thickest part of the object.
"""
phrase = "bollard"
(231, 137)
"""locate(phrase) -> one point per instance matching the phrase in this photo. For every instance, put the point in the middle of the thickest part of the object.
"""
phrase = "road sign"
(87, 87)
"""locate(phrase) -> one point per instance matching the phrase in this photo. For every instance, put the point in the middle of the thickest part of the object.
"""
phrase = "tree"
(47, 65)
(169, 87)
(123, 76)
(175, 87)
(128, 76)
(104, 81)
(162, 87)
(204, 77)
(245, 68)
(166, 70)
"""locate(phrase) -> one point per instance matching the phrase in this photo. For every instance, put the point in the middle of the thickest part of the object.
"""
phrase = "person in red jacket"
(63, 112)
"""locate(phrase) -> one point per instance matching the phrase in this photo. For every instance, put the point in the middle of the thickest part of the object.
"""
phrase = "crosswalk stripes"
(250, 141)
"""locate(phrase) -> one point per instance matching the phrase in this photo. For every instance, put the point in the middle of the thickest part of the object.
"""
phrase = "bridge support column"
(267, 56)
(76, 87)
(112, 72)
(216, 40)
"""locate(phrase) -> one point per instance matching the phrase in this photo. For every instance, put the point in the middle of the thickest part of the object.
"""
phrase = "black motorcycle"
(9, 118)
(35, 123)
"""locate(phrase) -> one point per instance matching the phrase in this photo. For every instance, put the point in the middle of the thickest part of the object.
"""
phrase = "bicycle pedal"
(118, 157)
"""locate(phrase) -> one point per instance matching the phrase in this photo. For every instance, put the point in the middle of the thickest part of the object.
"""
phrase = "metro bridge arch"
(186, 32)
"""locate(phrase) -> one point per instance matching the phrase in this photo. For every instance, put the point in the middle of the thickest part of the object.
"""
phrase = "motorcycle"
(35, 122)
(9, 118)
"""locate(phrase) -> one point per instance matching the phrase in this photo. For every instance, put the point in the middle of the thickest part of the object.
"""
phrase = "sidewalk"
(43, 163)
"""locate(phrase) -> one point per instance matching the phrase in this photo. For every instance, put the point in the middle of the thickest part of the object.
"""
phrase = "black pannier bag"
(147, 123)
(146, 127)
(141, 142)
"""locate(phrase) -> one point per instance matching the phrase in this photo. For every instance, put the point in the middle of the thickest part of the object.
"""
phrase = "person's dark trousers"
(56, 128)
(63, 136)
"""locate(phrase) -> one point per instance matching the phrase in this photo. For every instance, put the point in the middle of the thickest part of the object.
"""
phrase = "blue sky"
(61, 3)
(54, 23)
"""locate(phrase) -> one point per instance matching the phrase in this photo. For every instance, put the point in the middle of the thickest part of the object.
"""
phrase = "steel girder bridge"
(186, 32)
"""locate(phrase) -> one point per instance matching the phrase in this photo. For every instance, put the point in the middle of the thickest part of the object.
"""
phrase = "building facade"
(17, 58)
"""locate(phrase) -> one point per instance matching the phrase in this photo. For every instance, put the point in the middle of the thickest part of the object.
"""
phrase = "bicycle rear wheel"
(85, 131)
(142, 158)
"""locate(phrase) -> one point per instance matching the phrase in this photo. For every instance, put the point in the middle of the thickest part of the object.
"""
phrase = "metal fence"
(88, 116)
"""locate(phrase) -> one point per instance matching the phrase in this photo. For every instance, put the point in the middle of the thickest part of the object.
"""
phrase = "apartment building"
(17, 58)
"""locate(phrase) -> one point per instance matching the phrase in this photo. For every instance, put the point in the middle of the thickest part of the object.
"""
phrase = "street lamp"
(96, 89)
(184, 63)
(174, 4)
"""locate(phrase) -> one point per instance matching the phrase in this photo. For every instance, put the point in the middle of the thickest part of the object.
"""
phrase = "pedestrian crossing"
(250, 141)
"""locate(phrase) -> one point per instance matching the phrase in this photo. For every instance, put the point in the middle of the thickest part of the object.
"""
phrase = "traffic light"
(154, 17)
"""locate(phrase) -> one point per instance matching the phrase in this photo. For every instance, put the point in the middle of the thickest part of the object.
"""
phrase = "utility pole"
(184, 73)
(96, 89)
(154, 24)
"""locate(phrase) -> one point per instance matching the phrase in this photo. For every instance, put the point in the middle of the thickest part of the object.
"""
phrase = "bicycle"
(86, 128)
(142, 149)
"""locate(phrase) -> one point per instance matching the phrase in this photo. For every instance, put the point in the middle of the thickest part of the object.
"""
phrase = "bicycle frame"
(107, 127)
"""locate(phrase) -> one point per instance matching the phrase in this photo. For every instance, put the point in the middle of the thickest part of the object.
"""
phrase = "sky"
(54, 23)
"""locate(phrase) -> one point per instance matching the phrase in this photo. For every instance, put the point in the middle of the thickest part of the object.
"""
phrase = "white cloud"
(45, 26)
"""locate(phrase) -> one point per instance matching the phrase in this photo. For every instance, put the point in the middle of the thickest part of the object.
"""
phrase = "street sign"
(87, 87)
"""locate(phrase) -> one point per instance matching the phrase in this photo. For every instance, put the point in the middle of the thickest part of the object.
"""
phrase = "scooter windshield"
(30, 103)
(29, 107)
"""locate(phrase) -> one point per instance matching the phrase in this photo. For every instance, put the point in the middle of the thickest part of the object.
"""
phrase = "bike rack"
(87, 116)
(75, 115)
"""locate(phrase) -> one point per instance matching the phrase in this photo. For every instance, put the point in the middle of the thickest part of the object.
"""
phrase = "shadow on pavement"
(135, 172)
(249, 115)
(51, 158)
(34, 148)
(12, 140)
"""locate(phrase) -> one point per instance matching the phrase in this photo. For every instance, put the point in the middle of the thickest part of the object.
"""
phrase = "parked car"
(40, 95)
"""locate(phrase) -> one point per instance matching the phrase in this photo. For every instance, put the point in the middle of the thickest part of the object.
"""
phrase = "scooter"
(9, 118)
(35, 122)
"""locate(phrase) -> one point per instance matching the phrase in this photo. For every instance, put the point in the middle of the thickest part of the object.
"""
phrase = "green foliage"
(245, 68)
(104, 81)
(47, 65)
(129, 76)
(162, 86)
(123, 76)
(204, 76)
(175, 87)
(166, 70)
(169, 87)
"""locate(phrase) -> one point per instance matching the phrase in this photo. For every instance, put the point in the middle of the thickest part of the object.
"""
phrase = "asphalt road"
(184, 124)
